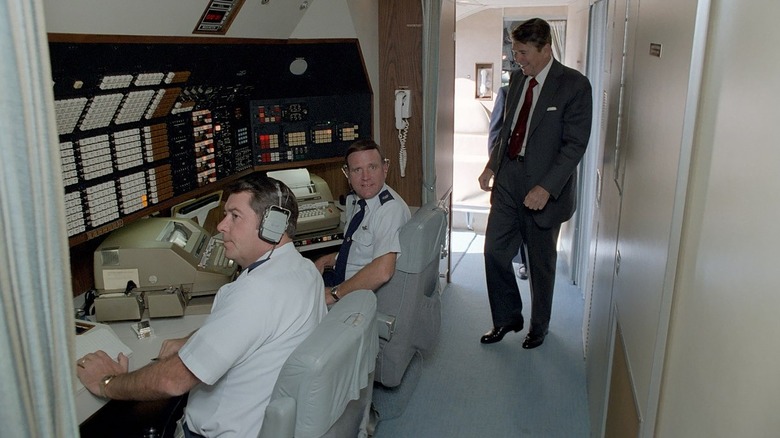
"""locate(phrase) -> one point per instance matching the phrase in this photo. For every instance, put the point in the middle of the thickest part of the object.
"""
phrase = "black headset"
(275, 220)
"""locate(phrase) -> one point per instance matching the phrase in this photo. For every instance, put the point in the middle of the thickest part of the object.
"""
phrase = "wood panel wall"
(622, 414)
(400, 66)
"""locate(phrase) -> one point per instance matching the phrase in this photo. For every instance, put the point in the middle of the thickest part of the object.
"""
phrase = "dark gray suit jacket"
(497, 117)
(557, 137)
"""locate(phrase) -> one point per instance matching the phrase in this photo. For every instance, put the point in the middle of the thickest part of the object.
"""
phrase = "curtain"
(431, 10)
(35, 296)
(558, 30)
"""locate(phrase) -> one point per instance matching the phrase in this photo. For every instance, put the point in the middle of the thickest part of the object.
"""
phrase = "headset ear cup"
(274, 224)
(275, 220)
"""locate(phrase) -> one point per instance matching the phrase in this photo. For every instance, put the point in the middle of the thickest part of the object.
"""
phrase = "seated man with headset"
(230, 365)
(375, 214)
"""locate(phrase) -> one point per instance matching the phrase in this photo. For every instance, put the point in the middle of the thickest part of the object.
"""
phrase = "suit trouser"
(510, 225)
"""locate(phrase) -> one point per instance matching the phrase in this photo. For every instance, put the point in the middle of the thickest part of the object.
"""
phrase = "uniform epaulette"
(385, 196)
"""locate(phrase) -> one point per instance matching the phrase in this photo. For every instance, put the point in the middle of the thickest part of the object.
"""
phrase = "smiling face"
(239, 230)
(531, 59)
(367, 172)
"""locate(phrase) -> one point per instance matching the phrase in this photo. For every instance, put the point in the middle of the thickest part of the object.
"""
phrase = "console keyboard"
(214, 255)
(312, 212)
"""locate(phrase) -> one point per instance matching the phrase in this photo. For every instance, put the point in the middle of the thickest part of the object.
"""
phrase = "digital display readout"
(218, 16)
(213, 16)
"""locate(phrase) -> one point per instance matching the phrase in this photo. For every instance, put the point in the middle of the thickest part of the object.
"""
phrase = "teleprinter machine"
(316, 210)
(166, 265)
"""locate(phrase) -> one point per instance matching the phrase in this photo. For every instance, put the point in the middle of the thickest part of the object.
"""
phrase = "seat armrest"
(385, 325)
(279, 421)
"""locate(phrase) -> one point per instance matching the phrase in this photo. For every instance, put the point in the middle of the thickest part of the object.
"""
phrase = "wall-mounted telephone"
(403, 110)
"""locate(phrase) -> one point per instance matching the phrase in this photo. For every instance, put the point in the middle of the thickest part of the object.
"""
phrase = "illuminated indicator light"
(213, 17)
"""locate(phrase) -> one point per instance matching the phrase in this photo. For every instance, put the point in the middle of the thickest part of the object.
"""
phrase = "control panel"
(143, 120)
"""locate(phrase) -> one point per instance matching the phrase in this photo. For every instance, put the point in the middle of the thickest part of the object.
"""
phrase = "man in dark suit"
(533, 167)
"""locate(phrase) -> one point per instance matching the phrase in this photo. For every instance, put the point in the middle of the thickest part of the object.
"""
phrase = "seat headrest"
(422, 238)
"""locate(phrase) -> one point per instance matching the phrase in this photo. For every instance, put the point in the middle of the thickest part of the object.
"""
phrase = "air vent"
(110, 257)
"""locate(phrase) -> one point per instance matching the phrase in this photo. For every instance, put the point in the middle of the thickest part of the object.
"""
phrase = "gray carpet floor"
(464, 389)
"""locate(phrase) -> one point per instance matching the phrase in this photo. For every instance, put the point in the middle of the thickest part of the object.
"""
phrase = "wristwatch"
(334, 293)
(103, 383)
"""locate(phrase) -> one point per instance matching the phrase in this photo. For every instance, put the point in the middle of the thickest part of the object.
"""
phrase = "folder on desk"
(91, 337)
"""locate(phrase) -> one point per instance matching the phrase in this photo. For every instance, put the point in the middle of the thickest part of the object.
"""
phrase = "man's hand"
(93, 367)
(326, 261)
(537, 198)
(329, 301)
(371, 277)
(484, 179)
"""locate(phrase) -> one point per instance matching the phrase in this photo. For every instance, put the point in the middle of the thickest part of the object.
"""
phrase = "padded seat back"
(409, 305)
(324, 388)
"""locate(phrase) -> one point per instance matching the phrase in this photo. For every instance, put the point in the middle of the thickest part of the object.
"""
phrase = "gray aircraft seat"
(409, 305)
(325, 386)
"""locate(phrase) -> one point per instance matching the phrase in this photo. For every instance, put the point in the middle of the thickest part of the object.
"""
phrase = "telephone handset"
(402, 113)
(402, 109)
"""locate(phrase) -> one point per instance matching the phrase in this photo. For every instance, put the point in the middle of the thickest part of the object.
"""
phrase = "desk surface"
(144, 350)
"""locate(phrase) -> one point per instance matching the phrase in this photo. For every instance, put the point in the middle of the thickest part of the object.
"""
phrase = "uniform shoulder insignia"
(385, 196)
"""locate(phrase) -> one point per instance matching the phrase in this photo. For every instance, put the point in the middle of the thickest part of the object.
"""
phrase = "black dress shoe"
(522, 272)
(533, 340)
(497, 333)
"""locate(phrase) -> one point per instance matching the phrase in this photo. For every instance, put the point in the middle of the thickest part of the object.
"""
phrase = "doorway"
(483, 45)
